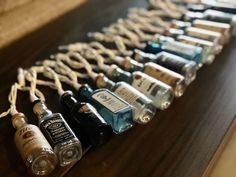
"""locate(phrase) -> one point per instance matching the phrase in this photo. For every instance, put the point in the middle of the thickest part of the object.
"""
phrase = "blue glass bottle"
(208, 47)
(144, 110)
(178, 48)
(173, 62)
(117, 112)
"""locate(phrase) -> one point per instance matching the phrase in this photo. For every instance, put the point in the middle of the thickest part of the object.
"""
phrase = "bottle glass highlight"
(160, 93)
(144, 110)
(186, 51)
(173, 62)
(65, 144)
(33, 146)
(84, 116)
(117, 112)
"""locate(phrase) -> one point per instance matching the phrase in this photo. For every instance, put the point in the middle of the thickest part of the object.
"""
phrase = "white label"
(127, 92)
(145, 84)
(203, 34)
(180, 47)
(195, 41)
(28, 139)
(109, 101)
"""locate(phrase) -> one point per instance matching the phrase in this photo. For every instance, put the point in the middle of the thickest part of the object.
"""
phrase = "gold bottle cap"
(17, 119)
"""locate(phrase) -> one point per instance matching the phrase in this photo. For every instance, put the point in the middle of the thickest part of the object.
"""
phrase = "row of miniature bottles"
(128, 95)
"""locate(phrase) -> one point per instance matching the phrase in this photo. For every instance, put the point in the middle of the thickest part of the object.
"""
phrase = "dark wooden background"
(179, 142)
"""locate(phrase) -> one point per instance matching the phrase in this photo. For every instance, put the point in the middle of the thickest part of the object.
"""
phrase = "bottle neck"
(84, 93)
(153, 48)
(68, 100)
(19, 120)
(117, 74)
(173, 32)
(144, 57)
(102, 81)
(40, 109)
(129, 64)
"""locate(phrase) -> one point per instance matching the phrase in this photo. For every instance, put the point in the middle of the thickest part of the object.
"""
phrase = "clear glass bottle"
(85, 117)
(213, 15)
(222, 28)
(221, 6)
(117, 112)
(211, 36)
(64, 142)
(171, 78)
(168, 44)
(173, 62)
(144, 110)
(33, 146)
(209, 49)
(160, 93)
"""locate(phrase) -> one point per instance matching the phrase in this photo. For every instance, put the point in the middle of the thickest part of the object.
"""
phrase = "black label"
(56, 130)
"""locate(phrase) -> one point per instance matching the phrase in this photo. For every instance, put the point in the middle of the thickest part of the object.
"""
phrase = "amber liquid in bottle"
(33, 146)
(60, 136)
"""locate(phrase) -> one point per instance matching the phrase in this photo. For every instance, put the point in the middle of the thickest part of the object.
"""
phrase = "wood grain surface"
(223, 161)
(29, 17)
(179, 142)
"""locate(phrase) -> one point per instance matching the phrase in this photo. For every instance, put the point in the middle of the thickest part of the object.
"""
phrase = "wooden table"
(179, 142)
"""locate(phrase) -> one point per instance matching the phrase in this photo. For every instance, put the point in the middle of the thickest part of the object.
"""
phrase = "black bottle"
(86, 117)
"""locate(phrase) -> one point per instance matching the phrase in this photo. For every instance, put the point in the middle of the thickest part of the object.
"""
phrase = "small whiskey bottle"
(33, 146)
(86, 117)
(175, 80)
(213, 15)
(144, 110)
(168, 44)
(117, 112)
(173, 62)
(160, 93)
(59, 134)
